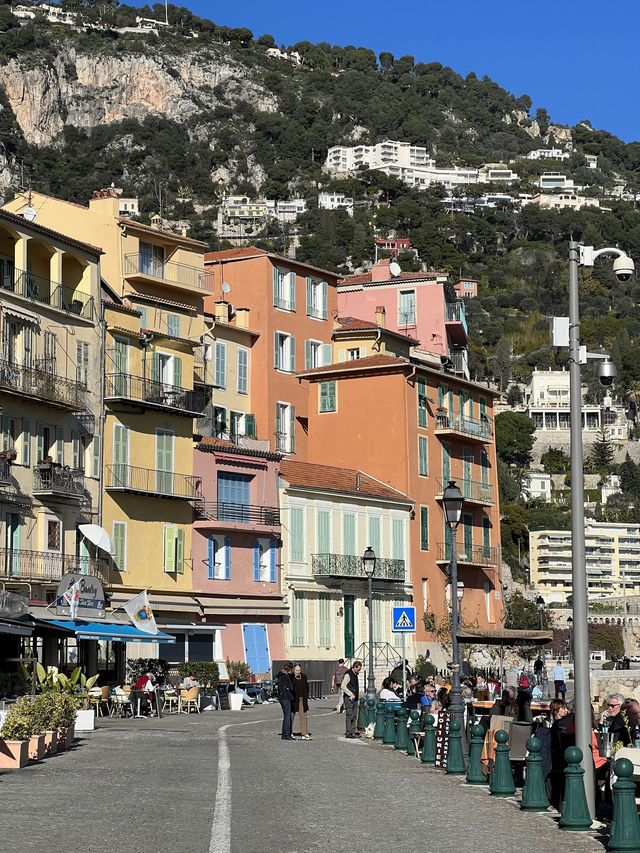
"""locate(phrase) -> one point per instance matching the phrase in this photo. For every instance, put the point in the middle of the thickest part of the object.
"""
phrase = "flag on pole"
(140, 613)
(72, 597)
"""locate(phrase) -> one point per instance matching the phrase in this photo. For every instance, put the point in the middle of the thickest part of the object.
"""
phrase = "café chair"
(189, 700)
(171, 702)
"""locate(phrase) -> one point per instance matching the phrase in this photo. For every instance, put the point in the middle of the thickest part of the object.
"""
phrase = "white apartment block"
(286, 210)
(539, 485)
(128, 207)
(494, 173)
(612, 559)
(564, 201)
(548, 154)
(592, 160)
(335, 201)
(555, 181)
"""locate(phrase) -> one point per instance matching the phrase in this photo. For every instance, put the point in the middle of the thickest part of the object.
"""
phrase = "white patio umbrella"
(98, 535)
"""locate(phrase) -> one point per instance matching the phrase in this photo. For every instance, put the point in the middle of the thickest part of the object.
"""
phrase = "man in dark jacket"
(351, 689)
(285, 695)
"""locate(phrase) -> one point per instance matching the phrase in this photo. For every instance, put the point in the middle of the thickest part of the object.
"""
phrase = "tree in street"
(555, 461)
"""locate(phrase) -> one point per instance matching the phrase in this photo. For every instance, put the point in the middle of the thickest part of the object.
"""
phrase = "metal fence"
(130, 478)
(158, 393)
(347, 566)
(41, 383)
(58, 479)
(166, 270)
(48, 566)
(238, 513)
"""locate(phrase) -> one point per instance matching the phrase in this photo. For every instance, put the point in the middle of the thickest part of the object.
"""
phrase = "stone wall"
(604, 683)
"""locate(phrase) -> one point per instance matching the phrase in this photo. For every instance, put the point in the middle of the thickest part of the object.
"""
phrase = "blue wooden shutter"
(256, 648)
(177, 371)
(243, 371)
(211, 558)
(327, 354)
(292, 429)
(272, 561)
(221, 365)
(227, 558)
(256, 560)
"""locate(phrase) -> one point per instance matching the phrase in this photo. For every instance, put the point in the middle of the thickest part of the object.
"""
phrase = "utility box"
(560, 332)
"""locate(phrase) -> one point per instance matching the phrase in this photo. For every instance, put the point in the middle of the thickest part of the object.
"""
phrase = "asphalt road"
(225, 782)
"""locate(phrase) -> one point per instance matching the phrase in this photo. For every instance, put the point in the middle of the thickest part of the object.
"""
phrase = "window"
(422, 402)
(323, 532)
(166, 371)
(349, 534)
(120, 455)
(27, 346)
(50, 353)
(297, 535)
(173, 552)
(284, 289)
(151, 259)
(220, 421)
(297, 619)
(324, 620)
(423, 465)
(316, 354)
(95, 447)
(243, 371)
(236, 425)
(285, 428)
(233, 496)
(143, 318)
(327, 396)
(374, 535)
(284, 352)
(77, 451)
(9, 432)
(357, 352)
(164, 461)
(25, 459)
(220, 380)
(119, 546)
(264, 560)
(218, 558)
(424, 528)
(317, 298)
(397, 539)
(53, 534)
(376, 618)
(407, 308)
(173, 325)
(82, 362)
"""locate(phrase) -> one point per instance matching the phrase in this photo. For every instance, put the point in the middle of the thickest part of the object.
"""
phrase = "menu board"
(223, 696)
(442, 738)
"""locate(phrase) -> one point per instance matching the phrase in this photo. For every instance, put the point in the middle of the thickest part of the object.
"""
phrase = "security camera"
(623, 267)
(606, 371)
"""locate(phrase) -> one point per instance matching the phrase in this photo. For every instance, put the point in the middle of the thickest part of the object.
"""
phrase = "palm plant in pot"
(15, 734)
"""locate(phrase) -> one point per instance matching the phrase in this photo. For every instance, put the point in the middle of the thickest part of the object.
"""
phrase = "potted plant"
(46, 703)
(237, 670)
(33, 709)
(207, 674)
(64, 717)
(14, 742)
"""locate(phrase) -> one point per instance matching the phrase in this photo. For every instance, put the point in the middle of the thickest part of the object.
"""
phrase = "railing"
(282, 302)
(39, 289)
(456, 314)
(476, 555)
(47, 566)
(155, 393)
(209, 429)
(237, 513)
(5, 470)
(317, 313)
(129, 478)
(40, 383)
(459, 362)
(138, 264)
(471, 490)
(58, 480)
(348, 566)
(468, 426)
(407, 318)
(383, 653)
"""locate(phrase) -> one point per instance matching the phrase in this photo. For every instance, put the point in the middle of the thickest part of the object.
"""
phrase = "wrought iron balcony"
(348, 566)
(472, 491)
(183, 275)
(42, 385)
(148, 481)
(472, 555)
(155, 395)
(235, 513)
(467, 427)
(56, 481)
(456, 321)
(206, 427)
(49, 566)
(5, 470)
(47, 292)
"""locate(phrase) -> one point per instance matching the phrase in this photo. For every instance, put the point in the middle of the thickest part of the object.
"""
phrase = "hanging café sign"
(91, 604)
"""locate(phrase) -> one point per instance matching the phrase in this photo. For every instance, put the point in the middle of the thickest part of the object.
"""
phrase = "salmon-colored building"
(292, 306)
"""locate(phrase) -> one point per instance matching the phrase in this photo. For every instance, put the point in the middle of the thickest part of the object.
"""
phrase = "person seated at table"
(616, 725)
(481, 689)
(492, 684)
(412, 701)
(190, 681)
(428, 696)
(536, 693)
(389, 690)
(506, 705)
(146, 687)
(443, 698)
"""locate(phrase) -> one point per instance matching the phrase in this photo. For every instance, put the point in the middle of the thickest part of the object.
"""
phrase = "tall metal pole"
(582, 698)
(457, 706)
(371, 682)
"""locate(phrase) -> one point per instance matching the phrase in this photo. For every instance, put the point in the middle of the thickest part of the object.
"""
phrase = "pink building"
(466, 287)
(420, 305)
(236, 549)
(399, 244)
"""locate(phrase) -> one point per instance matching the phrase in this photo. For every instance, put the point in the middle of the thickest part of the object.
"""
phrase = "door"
(234, 497)
(349, 636)
(13, 543)
(120, 455)
(256, 648)
(164, 461)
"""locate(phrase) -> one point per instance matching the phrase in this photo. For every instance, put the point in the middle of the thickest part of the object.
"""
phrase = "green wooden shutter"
(250, 426)
(374, 536)
(143, 317)
(275, 286)
(307, 355)
(467, 459)
(292, 354)
(120, 455)
(422, 402)
(169, 560)
(279, 426)
(309, 296)
(327, 354)
(119, 556)
(424, 528)
(440, 396)
(292, 291)
(180, 550)
(325, 300)
(173, 325)
(292, 429)
(155, 367)
(6, 432)
(243, 371)
(177, 371)
(324, 620)
(397, 539)
(75, 446)
(446, 464)
(376, 617)
(486, 536)
(40, 441)
(468, 534)
(447, 541)
(26, 442)
(221, 365)
(164, 461)
(297, 619)
(60, 446)
(324, 532)
(297, 534)
(276, 350)
(423, 467)
(96, 456)
(349, 534)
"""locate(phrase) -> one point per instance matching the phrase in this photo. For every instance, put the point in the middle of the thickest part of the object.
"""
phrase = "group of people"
(293, 695)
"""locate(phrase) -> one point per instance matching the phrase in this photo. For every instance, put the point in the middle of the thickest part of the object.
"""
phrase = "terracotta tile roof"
(117, 306)
(230, 254)
(372, 362)
(141, 297)
(253, 252)
(330, 478)
(351, 324)
(168, 337)
(149, 229)
(210, 445)
(365, 278)
(133, 332)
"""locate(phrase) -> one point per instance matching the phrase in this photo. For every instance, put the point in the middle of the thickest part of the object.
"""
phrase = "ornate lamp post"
(540, 606)
(369, 566)
(452, 501)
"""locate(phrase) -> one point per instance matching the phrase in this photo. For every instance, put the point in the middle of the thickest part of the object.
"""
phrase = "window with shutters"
(317, 298)
(327, 397)
(312, 354)
(423, 465)
(95, 456)
(467, 526)
(25, 456)
(424, 528)
(220, 422)
(349, 534)
(285, 431)
(27, 346)
(218, 558)
(164, 461)
(484, 462)
(59, 447)
(324, 620)
(220, 376)
(356, 352)
(243, 371)
(375, 540)
(53, 534)
(151, 259)
(234, 497)
(297, 552)
(143, 317)
(119, 555)
(284, 352)
(297, 619)
(120, 467)
(173, 325)
(407, 308)
(397, 539)
(48, 361)
(9, 432)
(422, 402)
(173, 551)
(323, 532)
(284, 289)
(82, 362)
(486, 537)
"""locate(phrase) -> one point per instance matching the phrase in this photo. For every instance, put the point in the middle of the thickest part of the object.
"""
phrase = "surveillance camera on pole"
(623, 267)
(607, 372)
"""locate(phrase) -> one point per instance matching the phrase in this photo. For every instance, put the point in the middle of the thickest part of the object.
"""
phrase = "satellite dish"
(395, 269)
(29, 214)
(226, 287)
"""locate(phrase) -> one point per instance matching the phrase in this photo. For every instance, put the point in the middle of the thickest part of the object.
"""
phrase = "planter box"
(36, 747)
(14, 754)
(51, 742)
(85, 721)
(65, 737)
(235, 701)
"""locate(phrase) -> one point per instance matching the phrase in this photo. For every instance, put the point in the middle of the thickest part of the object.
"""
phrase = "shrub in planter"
(238, 671)
(140, 666)
(206, 672)
(16, 731)
(64, 717)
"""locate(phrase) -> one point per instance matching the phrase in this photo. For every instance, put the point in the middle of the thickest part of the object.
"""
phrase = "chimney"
(381, 271)
(242, 318)
(183, 230)
(221, 312)
(337, 322)
(381, 316)
(156, 222)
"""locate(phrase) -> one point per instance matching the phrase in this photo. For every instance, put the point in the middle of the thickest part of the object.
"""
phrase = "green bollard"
(625, 826)
(534, 794)
(475, 776)
(455, 761)
(414, 728)
(402, 732)
(575, 811)
(428, 754)
(370, 712)
(389, 734)
(502, 777)
(359, 724)
(379, 729)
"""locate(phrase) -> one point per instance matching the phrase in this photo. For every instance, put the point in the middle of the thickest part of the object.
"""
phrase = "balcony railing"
(47, 292)
(207, 428)
(156, 395)
(181, 274)
(237, 513)
(55, 480)
(5, 471)
(459, 363)
(47, 566)
(474, 555)
(469, 427)
(32, 382)
(481, 493)
(347, 566)
(148, 481)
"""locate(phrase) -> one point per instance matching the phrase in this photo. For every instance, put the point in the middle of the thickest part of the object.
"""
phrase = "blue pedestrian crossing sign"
(404, 620)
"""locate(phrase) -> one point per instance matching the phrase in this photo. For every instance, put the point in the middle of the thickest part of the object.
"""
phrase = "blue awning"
(112, 631)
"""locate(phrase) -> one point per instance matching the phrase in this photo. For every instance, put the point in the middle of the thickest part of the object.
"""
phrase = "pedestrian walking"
(300, 704)
(558, 676)
(336, 684)
(285, 696)
(351, 690)
(538, 667)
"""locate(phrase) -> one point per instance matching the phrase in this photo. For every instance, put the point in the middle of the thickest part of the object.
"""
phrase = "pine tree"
(602, 453)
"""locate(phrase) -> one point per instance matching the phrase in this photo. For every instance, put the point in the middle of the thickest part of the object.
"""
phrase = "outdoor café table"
(482, 708)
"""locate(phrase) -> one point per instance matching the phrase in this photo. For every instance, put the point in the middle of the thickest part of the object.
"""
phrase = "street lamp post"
(540, 606)
(623, 267)
(570, 624)
(369, 566)
(452, 501)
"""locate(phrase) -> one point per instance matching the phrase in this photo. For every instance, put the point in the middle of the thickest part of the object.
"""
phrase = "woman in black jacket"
(285, 696)
(300, 703)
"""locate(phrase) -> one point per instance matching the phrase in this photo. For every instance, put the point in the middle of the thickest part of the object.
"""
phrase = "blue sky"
(579, 60)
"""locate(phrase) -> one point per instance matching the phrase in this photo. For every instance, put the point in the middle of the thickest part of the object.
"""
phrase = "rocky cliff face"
(84, 90)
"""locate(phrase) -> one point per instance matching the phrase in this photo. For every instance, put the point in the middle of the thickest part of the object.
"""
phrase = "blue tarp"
(112, 631)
